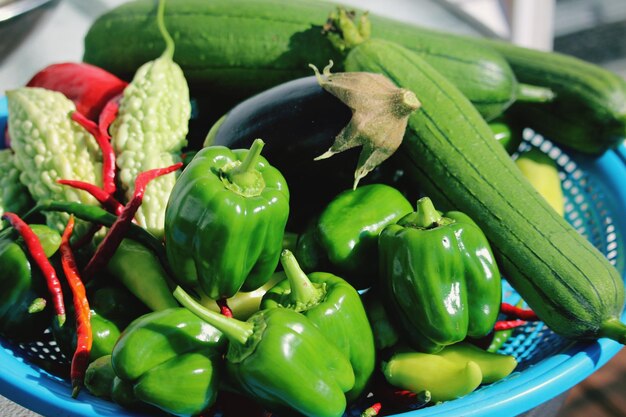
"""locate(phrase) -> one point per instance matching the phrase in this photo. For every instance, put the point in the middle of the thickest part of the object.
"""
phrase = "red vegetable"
(508, 324)
(84, 336)
(518, 312)
(88, 86)
(37, 253)
(101, 134)
(118, 230)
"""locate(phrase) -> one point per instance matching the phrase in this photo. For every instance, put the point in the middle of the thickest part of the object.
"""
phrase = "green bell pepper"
(112, 309)
(439, 276)
(225, 221)
(335, 307)
(170, 348)
(279, 358)
(23, 312)
(344, 238)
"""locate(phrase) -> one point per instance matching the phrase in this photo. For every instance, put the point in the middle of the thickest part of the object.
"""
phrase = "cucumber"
(563, 278)
(236, 48)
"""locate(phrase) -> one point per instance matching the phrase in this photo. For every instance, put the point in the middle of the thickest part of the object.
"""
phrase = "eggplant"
(298, 121)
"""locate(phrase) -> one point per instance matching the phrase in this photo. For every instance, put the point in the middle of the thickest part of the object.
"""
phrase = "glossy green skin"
(112, 309)
(508, 135)
(290, 365)
(444, 378)
(170, 348)
(139, 269)
(442, 282)
(217, 238)
(21, 282)
(493, 366)
(347, 229)
(341, 317)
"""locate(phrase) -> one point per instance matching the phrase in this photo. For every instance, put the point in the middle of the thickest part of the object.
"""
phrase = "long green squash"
(454, 160)
(589, 113)
(235, 48)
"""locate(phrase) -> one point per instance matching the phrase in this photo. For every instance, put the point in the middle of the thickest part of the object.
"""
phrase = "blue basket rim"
(43, 393)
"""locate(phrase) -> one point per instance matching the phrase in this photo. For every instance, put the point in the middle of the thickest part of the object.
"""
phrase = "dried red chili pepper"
(224, 309)
(372, 411)
(118, 230)
(37, 253)
(108, 155)
(518, 312)
(107, 200)
(508, 324)
(84, 336)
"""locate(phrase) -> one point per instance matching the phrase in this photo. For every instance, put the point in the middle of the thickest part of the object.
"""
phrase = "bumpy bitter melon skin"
(50, 146)
(456, 162)
(236, 48)
(14, 195)
(149, 133)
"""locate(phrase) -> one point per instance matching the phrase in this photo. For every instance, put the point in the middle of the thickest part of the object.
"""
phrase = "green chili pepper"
(444, 378)
(493, 366)
(225, 221)
(335, 307)
(139, 270)
(170, 348)
(347, 230)
(23, 293)
(440, 277)
(280, 358)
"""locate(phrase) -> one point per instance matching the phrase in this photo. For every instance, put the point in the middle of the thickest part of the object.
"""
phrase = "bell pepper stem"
(303, 292)
(426, 214)
(236, 331)
(251, 158)
(244, 178)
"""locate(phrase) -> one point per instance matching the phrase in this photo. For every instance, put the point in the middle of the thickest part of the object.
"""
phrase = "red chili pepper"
(508, 324)
(37, 253)
(372, 411)
(118, 230)
(104, 142)
(84, 336)
(518, 312)
(107, 200)
(88, 86)
(224, 309)
(108, 115)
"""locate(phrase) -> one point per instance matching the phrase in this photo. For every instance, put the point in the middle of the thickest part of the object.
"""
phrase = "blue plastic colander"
(548, 364)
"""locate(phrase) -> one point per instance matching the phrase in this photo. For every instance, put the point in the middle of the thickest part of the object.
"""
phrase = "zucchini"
(236, 48)
(571, 286)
